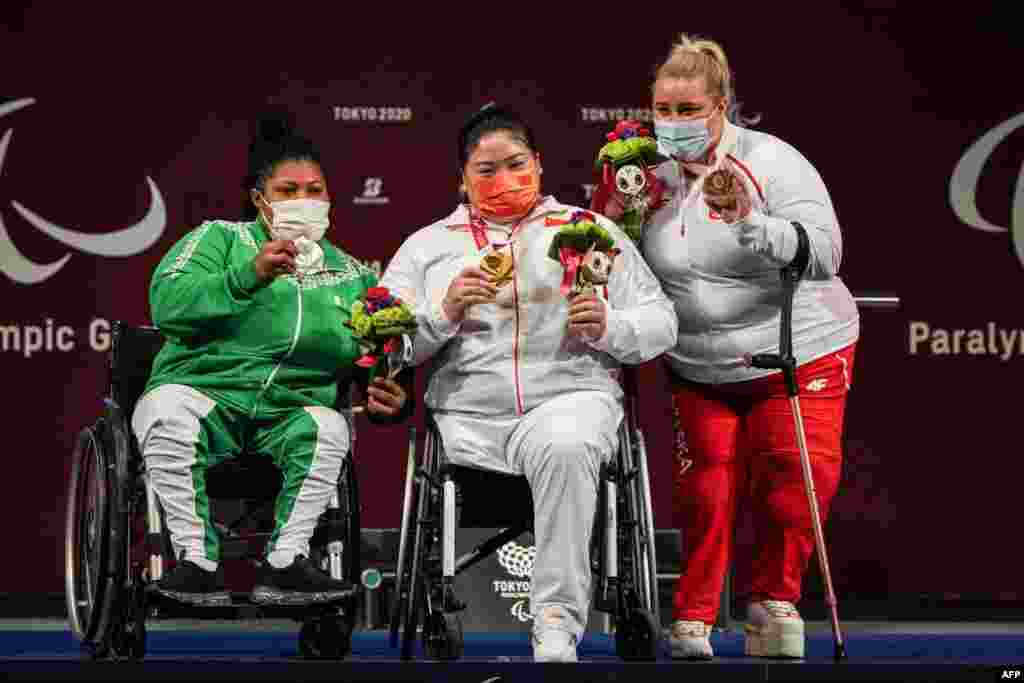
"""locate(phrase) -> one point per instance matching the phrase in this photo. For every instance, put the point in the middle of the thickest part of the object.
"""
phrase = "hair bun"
(275, 125)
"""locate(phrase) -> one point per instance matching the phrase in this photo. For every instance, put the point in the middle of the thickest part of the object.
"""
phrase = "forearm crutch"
(785, 362)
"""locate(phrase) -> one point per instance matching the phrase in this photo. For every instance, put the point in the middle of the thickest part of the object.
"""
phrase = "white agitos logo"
(963, 186)
(517, 559)
(124, 242)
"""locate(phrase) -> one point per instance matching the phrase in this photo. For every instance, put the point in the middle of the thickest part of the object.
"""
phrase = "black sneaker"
(300, 583)
(191, 584)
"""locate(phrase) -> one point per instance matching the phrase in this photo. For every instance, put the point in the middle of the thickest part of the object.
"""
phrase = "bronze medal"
(722, 187)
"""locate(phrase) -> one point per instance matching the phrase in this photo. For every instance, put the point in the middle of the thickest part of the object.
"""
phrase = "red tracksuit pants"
(739, 441)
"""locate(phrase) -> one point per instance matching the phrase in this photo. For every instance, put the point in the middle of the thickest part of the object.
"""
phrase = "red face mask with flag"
(507, 195)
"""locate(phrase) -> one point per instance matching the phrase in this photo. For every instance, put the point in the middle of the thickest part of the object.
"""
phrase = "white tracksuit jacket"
(512, 393)
(508, 357)
(727, 296)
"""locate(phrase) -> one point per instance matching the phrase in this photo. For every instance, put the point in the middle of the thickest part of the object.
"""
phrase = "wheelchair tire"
(87, 544)
(325, 637)
(415, 602)
(637, 637)
(648, 553)
(403, 574)
(443, 638)
(354, 525)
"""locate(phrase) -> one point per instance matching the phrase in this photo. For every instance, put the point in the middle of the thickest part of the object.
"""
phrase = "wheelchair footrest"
(608, 606)
(242, 604)
(607, 600)
(288, 599)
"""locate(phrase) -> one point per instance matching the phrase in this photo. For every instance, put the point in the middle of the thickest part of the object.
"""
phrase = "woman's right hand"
(276, 257)
(471, 286)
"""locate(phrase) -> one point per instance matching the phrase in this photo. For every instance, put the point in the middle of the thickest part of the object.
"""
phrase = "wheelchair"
(116, 542)
(622, 549)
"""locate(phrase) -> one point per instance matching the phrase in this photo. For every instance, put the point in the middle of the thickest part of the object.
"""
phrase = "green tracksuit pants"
(183, 432)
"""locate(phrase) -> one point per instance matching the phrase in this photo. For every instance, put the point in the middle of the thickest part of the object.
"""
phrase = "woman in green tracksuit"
(254, 314)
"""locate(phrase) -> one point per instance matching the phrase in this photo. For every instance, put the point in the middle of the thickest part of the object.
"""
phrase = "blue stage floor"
(268, 651)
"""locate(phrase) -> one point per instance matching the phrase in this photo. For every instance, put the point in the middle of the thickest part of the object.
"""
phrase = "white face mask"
(304, 221)
(296, 218)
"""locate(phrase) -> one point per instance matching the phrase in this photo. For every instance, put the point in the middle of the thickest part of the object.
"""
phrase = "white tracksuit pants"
(559, 446)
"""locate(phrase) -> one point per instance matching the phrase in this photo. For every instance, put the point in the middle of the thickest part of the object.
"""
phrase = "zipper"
(291, 349)
(515, 339)
(478, 228)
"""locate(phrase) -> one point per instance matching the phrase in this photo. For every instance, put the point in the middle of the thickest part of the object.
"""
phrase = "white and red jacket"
(507, 357)
(727, 296)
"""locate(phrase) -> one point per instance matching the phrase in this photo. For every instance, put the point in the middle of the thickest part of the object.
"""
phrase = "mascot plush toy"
(586, 251)
(627, 190)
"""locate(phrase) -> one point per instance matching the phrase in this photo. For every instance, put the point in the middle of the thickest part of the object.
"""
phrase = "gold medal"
(498, 264)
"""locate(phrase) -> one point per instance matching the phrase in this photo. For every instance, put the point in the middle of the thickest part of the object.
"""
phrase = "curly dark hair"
(276, 140)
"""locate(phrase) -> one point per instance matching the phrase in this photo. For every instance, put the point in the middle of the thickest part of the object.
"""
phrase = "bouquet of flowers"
(383, 326)
(586, 251)
(627, 191)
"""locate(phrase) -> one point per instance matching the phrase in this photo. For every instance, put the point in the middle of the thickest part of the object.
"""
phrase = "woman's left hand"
(587, 316)
(385, 397)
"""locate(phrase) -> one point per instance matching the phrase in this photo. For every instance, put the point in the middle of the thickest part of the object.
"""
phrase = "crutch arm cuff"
(803, 252)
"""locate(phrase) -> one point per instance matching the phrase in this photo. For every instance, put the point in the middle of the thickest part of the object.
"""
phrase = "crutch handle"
(790, 275)
(775, 361)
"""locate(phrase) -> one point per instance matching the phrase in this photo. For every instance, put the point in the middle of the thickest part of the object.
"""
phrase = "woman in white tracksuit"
(523, 379)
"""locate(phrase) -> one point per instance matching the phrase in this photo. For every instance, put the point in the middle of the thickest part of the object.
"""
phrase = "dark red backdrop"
(884, 101)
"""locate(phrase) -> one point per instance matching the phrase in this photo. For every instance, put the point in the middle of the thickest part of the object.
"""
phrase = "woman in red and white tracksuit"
(718, 259)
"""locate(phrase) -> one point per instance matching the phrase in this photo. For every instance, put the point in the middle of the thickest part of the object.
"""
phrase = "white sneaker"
(554, 636)
(774, 629)
(691, 640)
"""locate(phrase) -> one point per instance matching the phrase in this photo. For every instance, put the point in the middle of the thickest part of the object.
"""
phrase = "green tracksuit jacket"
(255, 347)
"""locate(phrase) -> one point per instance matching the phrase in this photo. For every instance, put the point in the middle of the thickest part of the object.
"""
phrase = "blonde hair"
(695, 57)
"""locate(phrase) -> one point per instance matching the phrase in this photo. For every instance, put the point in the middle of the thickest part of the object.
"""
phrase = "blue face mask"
(685, 140)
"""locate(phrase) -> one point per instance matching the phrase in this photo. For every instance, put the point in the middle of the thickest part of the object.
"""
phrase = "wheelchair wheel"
(649, 560)
(354, 528)
(325, 637)
(413, 601)
(402, 576)
(88, 547)
(442, 636)
(637, 637)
